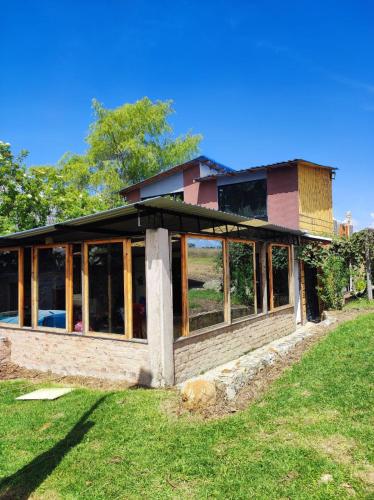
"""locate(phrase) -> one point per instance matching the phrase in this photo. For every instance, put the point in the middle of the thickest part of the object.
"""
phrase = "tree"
(135, 141)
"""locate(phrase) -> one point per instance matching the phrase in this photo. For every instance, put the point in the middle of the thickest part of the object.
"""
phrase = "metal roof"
(159, 204)
(288, 163)
(176, 168)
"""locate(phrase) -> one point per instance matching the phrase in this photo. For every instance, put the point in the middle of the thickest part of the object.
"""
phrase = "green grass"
(316, 419)
(360, 303)
(198, 298)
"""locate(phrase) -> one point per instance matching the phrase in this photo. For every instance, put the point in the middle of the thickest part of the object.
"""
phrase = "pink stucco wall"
(133, 196)
(199, 193)
(283, 197)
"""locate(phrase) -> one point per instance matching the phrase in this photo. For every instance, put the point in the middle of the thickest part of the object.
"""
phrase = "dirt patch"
(10, 371)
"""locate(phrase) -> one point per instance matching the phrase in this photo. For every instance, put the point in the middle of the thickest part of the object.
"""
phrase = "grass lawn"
(316, 420)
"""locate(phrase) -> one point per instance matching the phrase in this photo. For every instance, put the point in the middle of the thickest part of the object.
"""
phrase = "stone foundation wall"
(68, 354)
(4, 349)
(198, 353)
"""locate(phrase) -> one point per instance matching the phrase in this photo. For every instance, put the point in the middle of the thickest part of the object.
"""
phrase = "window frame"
(127, 284)
(68, 287)
(253, 244)
(270, 277)
(20, 289)
(184, 263)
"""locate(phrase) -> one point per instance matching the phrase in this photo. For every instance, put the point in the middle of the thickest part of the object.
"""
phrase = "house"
(296, 194)
(160, 290)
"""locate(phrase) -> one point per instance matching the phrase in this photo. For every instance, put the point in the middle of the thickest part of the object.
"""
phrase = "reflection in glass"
(77, 288)
(139, 311)
(9, 287)
(106, 294)
(51, 287)
(280, 263)
(205, 283)
(242, 291)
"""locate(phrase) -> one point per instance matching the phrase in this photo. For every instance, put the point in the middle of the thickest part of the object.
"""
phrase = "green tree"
(135, 141)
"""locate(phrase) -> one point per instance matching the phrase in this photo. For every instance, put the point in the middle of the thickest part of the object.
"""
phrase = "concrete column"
(159, 307)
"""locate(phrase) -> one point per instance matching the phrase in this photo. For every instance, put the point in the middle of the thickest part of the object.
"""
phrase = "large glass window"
(52, 287)
(244, 198)
(106, 288)
(280, 275)
(176, 271)
(77, 288)
(242, 279)
(139, 310)
(205, 283)
(9, 287)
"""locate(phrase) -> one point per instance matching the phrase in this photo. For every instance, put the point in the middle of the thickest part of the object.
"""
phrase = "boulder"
(198, 393)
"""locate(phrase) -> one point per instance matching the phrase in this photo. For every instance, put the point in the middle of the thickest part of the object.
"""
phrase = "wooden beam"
(270, 260)
(69, 288)
(89, 229)
(85, 290)
(127, 280)
(34, 287)
(21, 288)
(184, 274)
(226, 282)
(264, 278)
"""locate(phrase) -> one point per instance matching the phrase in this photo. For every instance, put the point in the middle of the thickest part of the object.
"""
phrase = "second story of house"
(296, 194)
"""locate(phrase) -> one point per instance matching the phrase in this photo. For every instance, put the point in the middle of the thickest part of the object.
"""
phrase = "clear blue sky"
(263, 81)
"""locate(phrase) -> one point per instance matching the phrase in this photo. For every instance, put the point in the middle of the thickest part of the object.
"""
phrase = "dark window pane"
(51, 291)
(27, 287)
(77, 288)
(9, 287)
(176, 270)
(139, 313)
(279, 260)
(106, 295)
(244, 198)
(242, 290)
(205, 283)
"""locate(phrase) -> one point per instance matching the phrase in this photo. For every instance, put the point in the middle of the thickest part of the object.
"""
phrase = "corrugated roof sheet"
(288, 163)
(159, 203)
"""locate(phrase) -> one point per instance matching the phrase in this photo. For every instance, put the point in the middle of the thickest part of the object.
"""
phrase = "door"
(312, 304)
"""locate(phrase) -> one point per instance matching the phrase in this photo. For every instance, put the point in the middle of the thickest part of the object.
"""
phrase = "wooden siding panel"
(315, 200)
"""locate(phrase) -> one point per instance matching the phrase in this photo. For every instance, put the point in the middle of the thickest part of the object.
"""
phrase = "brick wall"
(4, 349)
(80, 355)
(197, 354)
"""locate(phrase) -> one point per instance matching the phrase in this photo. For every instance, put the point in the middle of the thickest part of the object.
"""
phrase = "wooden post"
(21, 288)
(85, 288)
(185, 312)
(127, 267)
(264, 281)
(369, 284)
(69, 288)
(226, 282)
(34, 288)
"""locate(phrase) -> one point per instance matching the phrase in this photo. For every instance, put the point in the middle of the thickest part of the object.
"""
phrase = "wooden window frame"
(68, 287)
(271, 290)
(20, 287)
(184, 273)
(245, 242)
(127, 284)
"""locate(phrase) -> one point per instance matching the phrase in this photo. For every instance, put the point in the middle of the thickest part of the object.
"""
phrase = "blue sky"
(263, 81)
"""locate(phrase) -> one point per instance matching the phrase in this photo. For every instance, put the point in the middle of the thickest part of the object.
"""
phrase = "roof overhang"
(134, 219)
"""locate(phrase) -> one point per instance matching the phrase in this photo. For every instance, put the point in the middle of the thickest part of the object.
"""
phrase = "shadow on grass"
(22, 483)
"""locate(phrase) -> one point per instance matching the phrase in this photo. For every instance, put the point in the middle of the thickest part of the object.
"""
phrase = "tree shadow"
(22, 483)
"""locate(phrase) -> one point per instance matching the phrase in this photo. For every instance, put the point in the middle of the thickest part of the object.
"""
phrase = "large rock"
(198, 393)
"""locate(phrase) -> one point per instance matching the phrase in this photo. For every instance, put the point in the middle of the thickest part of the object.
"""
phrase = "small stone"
(326, 478)
(198, 394)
